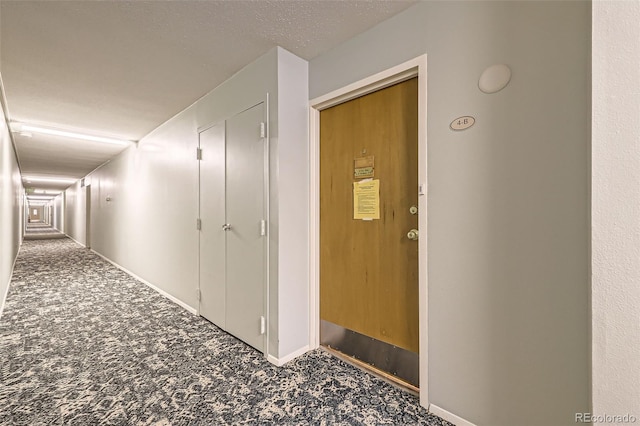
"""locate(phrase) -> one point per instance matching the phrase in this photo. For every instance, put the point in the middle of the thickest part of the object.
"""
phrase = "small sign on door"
(363, 167)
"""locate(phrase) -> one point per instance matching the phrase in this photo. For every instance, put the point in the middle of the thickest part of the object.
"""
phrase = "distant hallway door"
(87, 198)
(233, 227)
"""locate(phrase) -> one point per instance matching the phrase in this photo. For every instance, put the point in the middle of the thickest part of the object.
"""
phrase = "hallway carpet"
(41, 231)
(83, 343)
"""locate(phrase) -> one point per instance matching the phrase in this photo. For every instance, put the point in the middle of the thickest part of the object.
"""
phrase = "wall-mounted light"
(28, 128)
(494, 78)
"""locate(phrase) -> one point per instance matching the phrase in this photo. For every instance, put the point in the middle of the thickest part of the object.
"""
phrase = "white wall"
(616, 209)
(11, 199)
(75, 213)
(508, 236)
(291, 202)
(58, 212)
(149, 226)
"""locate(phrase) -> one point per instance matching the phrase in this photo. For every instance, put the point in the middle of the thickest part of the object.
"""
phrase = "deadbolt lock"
(413, 235)
(413, 209)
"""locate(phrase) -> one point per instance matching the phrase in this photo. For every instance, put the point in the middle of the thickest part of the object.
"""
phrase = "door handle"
(226, 227)
(413, 235)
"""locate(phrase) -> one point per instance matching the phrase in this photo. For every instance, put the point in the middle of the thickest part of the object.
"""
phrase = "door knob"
(413, 235)
(226, 227)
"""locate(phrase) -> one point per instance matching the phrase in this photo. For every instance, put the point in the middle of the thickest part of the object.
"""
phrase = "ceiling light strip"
(49, 179)
(41, 197)
(73, 135)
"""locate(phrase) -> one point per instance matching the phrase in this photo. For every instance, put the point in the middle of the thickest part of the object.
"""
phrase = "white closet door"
(212, 215)
(246, 247)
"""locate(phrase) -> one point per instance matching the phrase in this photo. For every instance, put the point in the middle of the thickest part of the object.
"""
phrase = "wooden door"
(369, 268)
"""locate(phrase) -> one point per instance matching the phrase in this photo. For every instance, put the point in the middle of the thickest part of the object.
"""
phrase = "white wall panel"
(616, 209)
(75, 212)
(292, 203)
(11, 203)
(508, 233)
(144, 205)
(58, 212)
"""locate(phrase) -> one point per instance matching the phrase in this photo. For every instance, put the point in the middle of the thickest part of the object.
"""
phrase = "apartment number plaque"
(462, 123)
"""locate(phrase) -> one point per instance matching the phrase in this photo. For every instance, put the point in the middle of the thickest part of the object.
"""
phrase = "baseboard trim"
(4, 296)
(6, 290)
(174, 299)
(78, 242)
(448, 416)
(279, 362)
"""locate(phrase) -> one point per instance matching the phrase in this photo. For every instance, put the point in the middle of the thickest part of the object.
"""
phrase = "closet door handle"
(226, 227)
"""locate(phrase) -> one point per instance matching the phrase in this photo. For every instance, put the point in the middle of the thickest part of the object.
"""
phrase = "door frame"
(416, 67)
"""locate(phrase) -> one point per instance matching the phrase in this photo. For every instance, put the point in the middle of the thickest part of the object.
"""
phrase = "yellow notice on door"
(366, 199)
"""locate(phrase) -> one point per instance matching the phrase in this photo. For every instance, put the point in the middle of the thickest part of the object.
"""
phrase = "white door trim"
(412, 68)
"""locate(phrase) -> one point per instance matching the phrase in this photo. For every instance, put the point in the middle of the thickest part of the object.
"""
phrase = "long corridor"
(83, 343)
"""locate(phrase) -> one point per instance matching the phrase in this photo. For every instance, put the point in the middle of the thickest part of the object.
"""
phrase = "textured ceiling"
(121, 68)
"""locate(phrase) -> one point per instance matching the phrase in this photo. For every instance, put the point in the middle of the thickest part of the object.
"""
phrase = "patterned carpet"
(83, 343)
(41, 231)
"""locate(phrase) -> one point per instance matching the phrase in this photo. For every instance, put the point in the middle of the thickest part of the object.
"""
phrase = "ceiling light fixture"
(495, 78)
(28, 128)
(46, 191)
(40, 197)
(30, 179)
